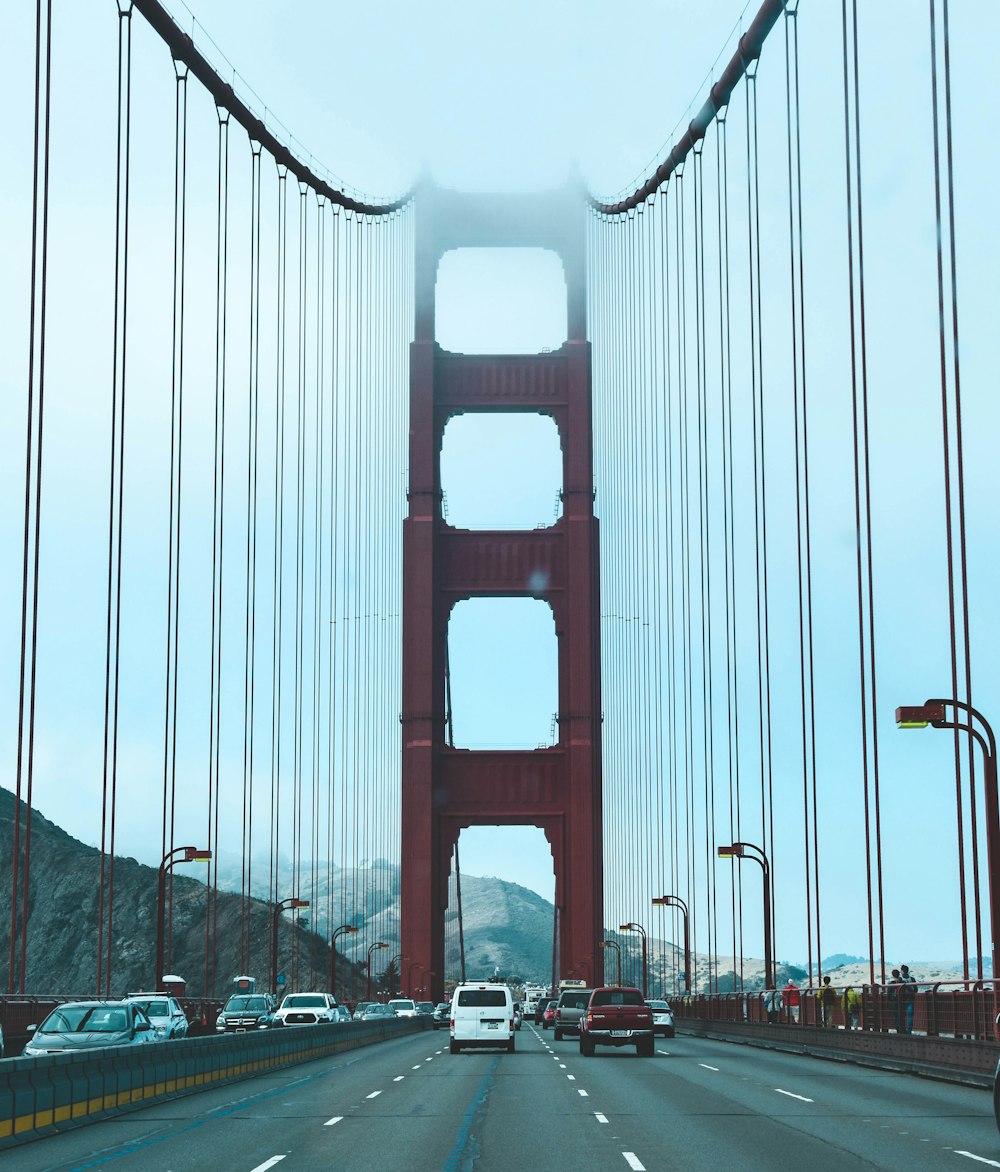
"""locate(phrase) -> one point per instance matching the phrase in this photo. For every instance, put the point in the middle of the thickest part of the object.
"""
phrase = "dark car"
(442, 1015)
(90, 1025)
(569, 1009)
(244, 1012)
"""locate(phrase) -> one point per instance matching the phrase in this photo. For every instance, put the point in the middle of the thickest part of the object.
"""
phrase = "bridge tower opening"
(556, 788)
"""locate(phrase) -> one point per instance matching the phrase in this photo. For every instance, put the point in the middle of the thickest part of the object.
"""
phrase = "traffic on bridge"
(504, 605)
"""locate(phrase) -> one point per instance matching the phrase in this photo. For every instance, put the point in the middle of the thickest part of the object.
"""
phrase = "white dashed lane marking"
(634, 1162)
(978, 1159)
(331, 1122)
(399, 1078)
(600, 1118)
(373, 1095)
(584, 1093)
(793, 1095)
(707, 1067)
(268, 1164)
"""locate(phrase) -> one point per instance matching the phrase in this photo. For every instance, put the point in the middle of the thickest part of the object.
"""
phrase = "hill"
(63, 912)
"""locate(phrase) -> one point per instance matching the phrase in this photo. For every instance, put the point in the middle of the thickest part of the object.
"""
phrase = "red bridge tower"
(445, 789)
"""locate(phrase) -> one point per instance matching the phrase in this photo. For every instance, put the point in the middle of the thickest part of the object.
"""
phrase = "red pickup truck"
(617, 1017)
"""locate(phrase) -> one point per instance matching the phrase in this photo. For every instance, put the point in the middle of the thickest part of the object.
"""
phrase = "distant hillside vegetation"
(63, 918)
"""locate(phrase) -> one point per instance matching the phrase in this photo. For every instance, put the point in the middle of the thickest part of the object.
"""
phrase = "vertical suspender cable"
(807, 691)
(250, 628)
(32, 494)
(954, 481)
(115, 499)
(176, 484)
(218, 534)
(865, 590)
(728, 506)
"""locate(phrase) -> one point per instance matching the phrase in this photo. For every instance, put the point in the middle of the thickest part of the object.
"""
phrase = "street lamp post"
(399, 957)
(344, 929)
(676, 901)
(414, 964)
(633, 927)
(745, 850)
(292, 901)
(935, 713)
(191, 854)
(371, 949)
(618, 958)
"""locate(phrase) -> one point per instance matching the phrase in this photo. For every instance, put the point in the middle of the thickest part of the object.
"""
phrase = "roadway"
(410, 1104)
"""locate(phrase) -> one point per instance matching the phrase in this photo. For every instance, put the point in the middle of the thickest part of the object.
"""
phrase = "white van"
(482, 1015)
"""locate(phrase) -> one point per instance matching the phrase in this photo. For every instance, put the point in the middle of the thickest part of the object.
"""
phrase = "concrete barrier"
(52, 1093)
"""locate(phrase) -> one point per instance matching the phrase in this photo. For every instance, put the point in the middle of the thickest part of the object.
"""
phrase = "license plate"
(620, 1033)
(492, 1025)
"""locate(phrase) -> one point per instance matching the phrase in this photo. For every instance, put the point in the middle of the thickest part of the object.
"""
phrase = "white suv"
(482, 1015)
(306, 1009)
(403, 1007)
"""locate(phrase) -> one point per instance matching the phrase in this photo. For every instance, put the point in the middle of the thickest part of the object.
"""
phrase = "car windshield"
(577, 1000)
(79, 1019)
(657, 1005)
(244, 1003)
(304, 1001)
(154, 1008)
(426, 1006)
(402, 1003)
(379, 1011)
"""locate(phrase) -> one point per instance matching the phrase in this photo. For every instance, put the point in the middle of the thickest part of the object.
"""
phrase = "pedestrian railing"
(942, 1009)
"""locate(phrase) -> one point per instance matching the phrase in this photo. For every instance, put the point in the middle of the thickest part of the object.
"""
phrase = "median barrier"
(52, 1093)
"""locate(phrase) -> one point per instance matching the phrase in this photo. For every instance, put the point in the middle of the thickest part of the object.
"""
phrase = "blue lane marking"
(455, 1159)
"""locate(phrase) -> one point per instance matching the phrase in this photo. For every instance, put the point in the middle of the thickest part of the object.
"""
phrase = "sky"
(521, 97)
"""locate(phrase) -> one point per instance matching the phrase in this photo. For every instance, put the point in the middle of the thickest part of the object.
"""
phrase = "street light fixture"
(935, 713)
(292, 901)
(192, 854)
(632, 927)
(337, 932)
(371, 949)
(677, 902)
(618, 958)
(747, 850)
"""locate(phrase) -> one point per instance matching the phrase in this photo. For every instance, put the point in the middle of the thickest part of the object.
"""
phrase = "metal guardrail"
(52, 1093)
(956, 1009)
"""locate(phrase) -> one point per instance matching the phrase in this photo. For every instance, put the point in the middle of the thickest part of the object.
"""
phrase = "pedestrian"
(852, 1007)
(828, 999)
(773, 1005)
(791, 992)
(907, 997)
(894, 987)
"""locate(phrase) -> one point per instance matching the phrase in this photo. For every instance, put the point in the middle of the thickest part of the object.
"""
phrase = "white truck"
(532, 995)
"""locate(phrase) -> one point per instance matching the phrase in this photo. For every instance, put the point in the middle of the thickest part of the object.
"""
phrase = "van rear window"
(481, 998)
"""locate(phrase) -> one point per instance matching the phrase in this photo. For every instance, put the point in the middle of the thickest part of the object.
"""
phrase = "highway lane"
(411, 1104)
